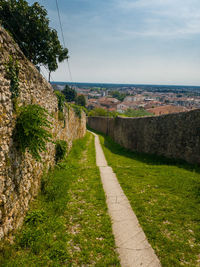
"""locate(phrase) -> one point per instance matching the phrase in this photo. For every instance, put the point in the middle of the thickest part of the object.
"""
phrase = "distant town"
(154, 99)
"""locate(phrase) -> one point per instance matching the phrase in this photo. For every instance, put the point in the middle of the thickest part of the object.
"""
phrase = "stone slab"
(132, 245)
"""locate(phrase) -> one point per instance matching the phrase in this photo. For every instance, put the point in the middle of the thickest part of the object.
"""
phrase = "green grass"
(68, 223)
(165, 195)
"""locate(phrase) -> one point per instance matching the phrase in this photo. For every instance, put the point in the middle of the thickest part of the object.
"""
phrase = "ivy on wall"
(12, 69)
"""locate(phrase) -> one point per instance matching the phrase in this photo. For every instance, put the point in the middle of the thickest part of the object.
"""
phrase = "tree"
(29, 26)
(118, 95)
(69, 93)
(81, 101)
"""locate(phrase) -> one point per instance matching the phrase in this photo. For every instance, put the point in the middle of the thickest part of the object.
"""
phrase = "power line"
(60, 23)
(61, 28)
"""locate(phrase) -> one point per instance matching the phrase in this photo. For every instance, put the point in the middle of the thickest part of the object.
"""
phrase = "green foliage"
(102, 113)
(77, 110)
(118, 95)
(60, 115)
(80, 100)
(28, 237)
(29, 26)
(12, 69)
(61, 100)
(70, 93)
(34, 217)
(61, 150)
(128, 113)
(98, 112)
(67, 105)
(85, 110)
(30, 132)
(61, 103)
(137, 113)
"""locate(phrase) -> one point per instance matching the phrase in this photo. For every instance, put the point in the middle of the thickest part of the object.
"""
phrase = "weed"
(61, 150)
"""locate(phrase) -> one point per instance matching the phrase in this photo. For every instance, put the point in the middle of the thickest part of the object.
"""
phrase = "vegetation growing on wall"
(31, 130)
(61, 150)
(102, 113)
(136, 113)
(61, 102)
(128, 113)
(51, 234)
(12, 69)
(77, 110)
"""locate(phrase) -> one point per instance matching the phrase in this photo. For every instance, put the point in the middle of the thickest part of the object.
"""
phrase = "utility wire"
(61, 28)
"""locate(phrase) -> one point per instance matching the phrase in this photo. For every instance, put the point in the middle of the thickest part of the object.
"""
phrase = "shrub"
(30, 132)
(61, 150)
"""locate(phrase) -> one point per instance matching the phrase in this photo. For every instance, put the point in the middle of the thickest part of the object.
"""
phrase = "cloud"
(175, 18)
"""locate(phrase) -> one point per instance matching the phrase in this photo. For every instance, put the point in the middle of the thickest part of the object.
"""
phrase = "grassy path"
(68, 224)
(166, 200)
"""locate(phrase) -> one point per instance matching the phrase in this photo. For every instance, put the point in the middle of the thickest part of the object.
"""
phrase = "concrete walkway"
(131, 242)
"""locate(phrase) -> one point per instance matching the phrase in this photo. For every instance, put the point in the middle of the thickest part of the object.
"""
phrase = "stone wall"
(20, 174)
(173, 136)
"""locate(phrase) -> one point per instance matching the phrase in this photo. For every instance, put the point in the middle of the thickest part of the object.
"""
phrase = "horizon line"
(140, 84)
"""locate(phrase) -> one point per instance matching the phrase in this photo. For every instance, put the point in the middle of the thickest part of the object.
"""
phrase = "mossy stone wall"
(20, 174)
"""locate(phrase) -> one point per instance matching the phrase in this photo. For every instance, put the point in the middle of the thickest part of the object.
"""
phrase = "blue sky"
(129, 41)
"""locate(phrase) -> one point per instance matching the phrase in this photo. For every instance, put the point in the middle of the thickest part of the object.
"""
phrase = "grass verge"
(165, 197)
(68, 223)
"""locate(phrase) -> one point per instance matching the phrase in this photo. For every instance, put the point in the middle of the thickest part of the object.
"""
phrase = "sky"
(129, 41)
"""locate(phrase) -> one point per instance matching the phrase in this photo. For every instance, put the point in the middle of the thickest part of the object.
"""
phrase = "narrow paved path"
(132, 245)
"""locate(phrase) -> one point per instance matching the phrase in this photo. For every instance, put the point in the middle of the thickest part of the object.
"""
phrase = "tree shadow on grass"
(150, 159)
